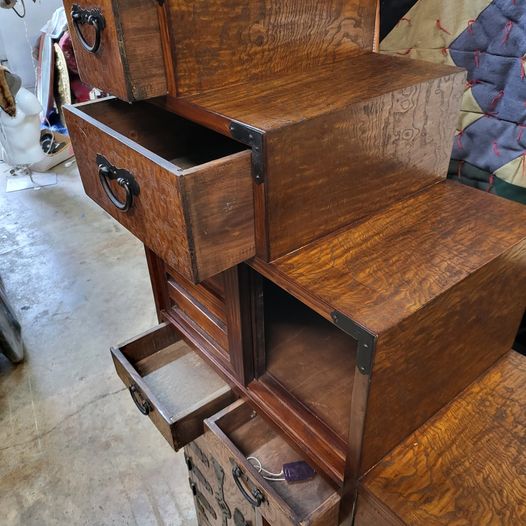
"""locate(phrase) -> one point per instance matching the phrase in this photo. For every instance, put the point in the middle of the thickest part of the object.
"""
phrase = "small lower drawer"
(217, 500)
(239, 432)
(170, 383)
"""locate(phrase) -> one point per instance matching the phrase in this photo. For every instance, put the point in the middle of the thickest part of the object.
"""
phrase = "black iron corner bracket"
(254, 138)
(366, 341)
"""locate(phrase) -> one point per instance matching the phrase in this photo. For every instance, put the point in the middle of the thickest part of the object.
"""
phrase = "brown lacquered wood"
(311, 358)
(387, 267)
(225, 42)
(440, 280)
(195, 207)
(202, 317)
(211, 313)
(209, 294)
(466, 465)
(157, 271)
(441, 349)
(345, 139)
(292, 97)
(129, 63)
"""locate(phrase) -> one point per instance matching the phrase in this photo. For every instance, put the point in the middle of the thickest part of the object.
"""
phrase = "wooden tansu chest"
(324, 295)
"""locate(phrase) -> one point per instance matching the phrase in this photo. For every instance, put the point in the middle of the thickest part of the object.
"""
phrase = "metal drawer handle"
(256, 498)
(93, 17)
(142, 404)
(108, 172)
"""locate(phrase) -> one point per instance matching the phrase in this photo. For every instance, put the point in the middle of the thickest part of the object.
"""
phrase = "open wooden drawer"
(170, 383)
(239, 432)
(118, 46)
(182, 189)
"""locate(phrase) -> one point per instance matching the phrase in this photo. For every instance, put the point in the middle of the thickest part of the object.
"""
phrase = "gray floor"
(74, 450)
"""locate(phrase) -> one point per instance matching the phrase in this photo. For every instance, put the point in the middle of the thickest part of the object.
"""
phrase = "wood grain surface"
(426, 360)
(342, 141)
(439, 278)
(336, 169)
(226, 42)
(387, 267)
(324, 358)
(129, 63)
(282, 100)
(466, 465)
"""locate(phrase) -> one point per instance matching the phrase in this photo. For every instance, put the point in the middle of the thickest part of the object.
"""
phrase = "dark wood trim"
(169, 59)
(194, 113)
(238, 325)
(157, 270)
(271, 272)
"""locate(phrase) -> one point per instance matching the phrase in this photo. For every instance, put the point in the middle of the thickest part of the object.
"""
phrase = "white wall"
(18, 36)
(2, 49)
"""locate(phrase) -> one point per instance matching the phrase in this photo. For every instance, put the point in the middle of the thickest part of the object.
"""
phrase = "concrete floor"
(74, 450)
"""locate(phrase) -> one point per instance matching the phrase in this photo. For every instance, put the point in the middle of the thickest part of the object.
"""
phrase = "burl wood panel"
(440, 279)
(129, 63)
(334, 170)
(384, 269)
(467, 464)
(200, 220)
(226, 42)
(426, 360)
(342, 141)
(293, 97)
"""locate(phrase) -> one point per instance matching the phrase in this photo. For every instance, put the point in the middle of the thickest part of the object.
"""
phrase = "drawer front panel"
(200, 220)
(237, 433)
(170, 383)
(198, 313)
(210, 293)
(118, 46)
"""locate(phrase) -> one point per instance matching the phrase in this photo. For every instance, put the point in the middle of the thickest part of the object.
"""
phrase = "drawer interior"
(175, 139)
(171, 383)
(174, 373)
(253, 436)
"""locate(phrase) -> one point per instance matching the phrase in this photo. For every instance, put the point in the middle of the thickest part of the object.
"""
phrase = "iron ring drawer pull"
(92, 17)
(256, 498)
(108, 172)
(142, 404)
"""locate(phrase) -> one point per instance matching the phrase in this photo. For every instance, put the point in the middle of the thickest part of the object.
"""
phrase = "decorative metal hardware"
(255, 497)
(142, 404)
(108, 172)
(220, 492)
(198, 473)
(239, 519)
(366, 341)
(199, 453)
(254, 138)
(92, 17)
(201, 500)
